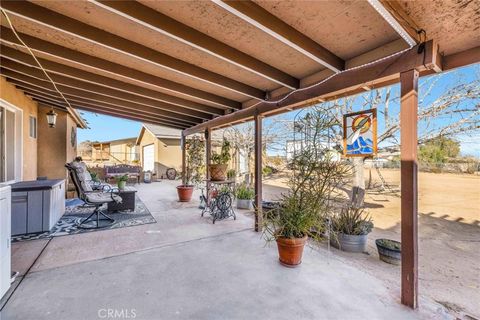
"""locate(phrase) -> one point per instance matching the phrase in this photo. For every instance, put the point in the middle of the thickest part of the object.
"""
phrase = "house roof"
(160, 132)
(118, 141)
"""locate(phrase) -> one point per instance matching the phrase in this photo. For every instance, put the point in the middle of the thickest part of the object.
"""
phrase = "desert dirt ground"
(449, 234)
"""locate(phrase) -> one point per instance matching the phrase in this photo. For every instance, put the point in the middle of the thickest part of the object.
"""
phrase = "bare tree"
(454, 111)
(448, 111)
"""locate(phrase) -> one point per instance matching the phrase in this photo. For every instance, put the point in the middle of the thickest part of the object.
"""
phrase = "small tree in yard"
(438, 150)
(316, 178)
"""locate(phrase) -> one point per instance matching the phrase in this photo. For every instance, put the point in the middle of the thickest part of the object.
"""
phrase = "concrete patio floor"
(184, 267)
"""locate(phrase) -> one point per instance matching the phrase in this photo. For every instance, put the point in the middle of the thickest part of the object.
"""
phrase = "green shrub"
(438, 150)
(352, 221)
(231, 174)
(122, 178)
(244, 192)
(267, 171)
(224, 156)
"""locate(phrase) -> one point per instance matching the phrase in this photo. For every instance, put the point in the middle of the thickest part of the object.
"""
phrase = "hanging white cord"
(259, 102)
(331, 76)
(35, 58)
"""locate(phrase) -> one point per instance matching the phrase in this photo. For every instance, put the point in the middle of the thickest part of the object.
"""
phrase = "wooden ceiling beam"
(96, 97)
(169, 27)
(342, 85)
(92, 107)
(52, 19)
(461, 59)
(97, 89)
(267, 22)
(92, 104)
(79, 58)
(393, 13)
(96, 79)
(131, 117)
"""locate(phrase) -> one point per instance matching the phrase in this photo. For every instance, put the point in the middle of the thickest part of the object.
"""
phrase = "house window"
(33, 127)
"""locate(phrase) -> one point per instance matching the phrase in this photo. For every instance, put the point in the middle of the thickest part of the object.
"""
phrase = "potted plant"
(194, 170)
(389, 251)
(303, 211)
(218, 167)
(245, 195)
(122, 181)
(350, 229)
(231, 174)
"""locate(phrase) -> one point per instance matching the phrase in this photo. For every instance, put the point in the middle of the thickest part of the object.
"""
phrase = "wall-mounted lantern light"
(51, 118)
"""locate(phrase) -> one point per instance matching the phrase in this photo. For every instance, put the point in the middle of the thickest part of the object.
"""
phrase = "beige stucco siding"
(169, 155)
(16, 97)
(52, 146)
(167, 152)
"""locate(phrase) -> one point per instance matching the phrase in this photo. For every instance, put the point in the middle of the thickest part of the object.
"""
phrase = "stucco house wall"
(46, 154)
(55, 146)
(52, 146)
(16, 97)
(167, 151)
(169, 155)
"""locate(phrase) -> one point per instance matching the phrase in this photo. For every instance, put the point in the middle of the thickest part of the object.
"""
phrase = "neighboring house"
(29, 148)
(293, 146)
(121, 151)
(159, 149)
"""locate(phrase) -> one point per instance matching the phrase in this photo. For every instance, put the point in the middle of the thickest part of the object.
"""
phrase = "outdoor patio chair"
(85, 175)
(95, 199)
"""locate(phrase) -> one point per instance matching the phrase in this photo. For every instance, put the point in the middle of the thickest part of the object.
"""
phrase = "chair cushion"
(83, 175)
(103, 197)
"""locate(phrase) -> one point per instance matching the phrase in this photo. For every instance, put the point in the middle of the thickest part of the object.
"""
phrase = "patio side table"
(128, 200)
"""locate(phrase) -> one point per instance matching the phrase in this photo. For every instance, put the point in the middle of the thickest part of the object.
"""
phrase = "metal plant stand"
(219, 204)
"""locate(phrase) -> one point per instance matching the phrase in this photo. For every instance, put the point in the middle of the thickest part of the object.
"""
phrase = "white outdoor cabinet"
(5, 234)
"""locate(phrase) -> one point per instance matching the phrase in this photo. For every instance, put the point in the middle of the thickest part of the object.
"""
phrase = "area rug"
(75, 213)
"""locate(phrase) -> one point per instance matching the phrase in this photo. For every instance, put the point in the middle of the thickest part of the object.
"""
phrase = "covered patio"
(201, 66)
(185, 267)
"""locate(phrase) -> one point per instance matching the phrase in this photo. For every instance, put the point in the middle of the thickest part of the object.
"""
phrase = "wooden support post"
(258, 172)
(409, 191)
(208, 150)
(184, 159)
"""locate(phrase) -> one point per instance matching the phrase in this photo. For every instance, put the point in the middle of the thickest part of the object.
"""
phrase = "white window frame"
(18, 140)
(32, 128)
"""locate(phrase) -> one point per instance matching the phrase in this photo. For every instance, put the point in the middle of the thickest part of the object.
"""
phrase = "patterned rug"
(75, 213)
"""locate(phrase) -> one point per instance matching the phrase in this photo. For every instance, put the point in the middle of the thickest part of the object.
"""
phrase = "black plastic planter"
(389, 251)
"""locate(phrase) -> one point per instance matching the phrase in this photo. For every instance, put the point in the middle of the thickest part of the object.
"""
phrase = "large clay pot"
(218, 172)
(290, 251)
(184, 193)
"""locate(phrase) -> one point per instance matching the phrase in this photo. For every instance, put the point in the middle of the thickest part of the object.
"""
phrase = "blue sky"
(104, 128)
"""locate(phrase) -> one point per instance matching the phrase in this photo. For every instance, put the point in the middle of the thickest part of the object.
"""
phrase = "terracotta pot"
(184, 193)
(218, 172)
(290, 250)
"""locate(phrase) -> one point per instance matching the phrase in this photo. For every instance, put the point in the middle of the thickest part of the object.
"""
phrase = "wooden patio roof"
(198, 64)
